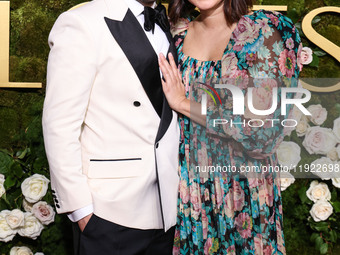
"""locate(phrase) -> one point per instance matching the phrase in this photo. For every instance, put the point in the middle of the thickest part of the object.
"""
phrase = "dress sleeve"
(269, 60)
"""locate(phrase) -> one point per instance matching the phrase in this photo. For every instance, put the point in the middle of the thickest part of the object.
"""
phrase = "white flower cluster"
(320, 195)
(23, 250)
(37, 213)
(317, 140)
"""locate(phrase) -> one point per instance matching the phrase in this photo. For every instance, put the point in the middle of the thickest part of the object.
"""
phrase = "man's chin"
(146, 2)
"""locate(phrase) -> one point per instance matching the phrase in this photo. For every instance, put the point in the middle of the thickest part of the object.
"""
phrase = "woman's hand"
(172, 86)
(175, 92)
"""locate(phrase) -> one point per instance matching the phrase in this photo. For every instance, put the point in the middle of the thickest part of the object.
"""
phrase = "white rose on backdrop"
(319, 140)
(288, 154)
(22, 250)
(286, 179)
(333, 154)
(2, 178)
(338, 151)
(302, 127)
(321, 210)
(318, 191)
(2, 188)
(15, 219)
(319, 114)
(35, 187)
(325, 168)
(294, 114)
(336, 128)
(306, 56)
(32, 227)
(6, 233)
(38, 253)
(27, 205)
(336, 182)
(44, 212)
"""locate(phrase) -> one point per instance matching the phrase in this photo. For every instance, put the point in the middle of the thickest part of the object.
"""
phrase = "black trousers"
(102, 237)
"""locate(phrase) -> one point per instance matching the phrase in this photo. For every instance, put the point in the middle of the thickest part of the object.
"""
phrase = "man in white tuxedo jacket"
(111, 138)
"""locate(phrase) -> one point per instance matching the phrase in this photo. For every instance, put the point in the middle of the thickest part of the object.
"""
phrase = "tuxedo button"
(136, 103)
(157, 144)
(57, 205)
(56, 201)
(53, 191)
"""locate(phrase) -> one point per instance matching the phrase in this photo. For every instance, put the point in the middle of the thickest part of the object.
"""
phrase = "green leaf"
(22, 154)
(321, 226)
(317, 19)
(333, 236)
(320, 53)
(10, 182)
(17, 170)
(302, 194)
(5, 163)
(324, 248)
(336, 206)
(318, 242)
(315, 62)
(337, 106)
(314, 236)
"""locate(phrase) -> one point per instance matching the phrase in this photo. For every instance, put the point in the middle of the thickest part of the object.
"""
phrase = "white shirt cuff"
(80, 213)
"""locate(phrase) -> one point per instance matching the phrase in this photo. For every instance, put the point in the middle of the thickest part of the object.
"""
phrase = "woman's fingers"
(166, 66)
(172, 63)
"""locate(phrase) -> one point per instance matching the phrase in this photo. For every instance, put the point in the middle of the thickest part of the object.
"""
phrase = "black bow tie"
(158, 16)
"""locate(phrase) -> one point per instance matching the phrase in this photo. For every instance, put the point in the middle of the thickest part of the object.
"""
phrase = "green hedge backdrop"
(20, 117)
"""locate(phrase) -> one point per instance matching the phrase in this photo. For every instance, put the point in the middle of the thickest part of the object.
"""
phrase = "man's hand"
(83, 222)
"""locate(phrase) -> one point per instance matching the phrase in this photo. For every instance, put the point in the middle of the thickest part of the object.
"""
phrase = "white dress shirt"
(160, 44)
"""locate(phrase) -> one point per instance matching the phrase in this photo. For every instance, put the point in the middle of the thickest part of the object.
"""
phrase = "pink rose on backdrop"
(287, 63)
(244, 225)
(44, 212)
(306, 56)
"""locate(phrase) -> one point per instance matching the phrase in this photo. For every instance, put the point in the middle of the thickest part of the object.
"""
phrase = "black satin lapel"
(141, 55)
(172, 47)
(165, 121)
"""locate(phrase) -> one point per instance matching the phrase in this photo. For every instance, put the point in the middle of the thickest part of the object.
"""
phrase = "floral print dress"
(227, 214)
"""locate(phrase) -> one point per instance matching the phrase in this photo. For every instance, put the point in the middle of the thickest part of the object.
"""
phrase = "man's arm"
(70, 74)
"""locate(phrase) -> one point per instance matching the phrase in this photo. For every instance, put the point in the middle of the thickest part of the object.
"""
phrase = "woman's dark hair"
(233, 9)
